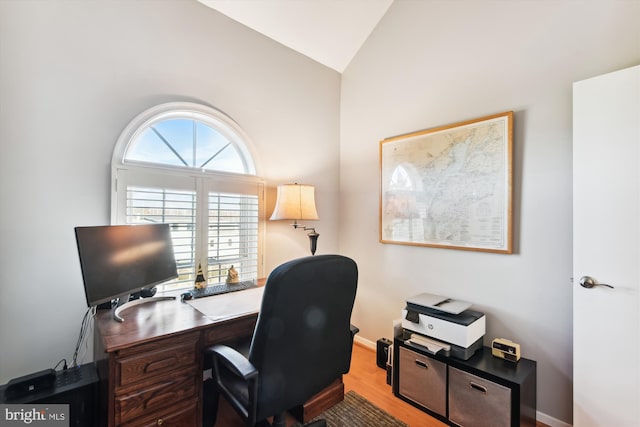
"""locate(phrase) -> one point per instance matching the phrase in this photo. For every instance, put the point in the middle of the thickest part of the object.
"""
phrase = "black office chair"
(302, 341)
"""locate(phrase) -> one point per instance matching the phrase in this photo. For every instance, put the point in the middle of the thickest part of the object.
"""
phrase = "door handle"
(589, 282)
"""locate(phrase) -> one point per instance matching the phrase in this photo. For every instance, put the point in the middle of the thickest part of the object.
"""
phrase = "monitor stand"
(124, 303)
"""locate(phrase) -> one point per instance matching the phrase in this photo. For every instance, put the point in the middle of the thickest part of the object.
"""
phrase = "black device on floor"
(382, 352)
(30, 384)
(77, 387)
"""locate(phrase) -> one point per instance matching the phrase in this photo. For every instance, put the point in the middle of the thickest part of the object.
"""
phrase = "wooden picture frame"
(449, 186)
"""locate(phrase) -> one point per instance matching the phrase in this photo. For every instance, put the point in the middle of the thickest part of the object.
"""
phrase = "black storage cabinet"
(482, 391)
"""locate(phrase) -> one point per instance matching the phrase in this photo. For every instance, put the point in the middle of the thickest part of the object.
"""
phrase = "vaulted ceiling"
(329, 31)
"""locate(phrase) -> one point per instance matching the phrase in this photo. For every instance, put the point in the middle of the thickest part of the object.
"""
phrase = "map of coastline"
(447, 188)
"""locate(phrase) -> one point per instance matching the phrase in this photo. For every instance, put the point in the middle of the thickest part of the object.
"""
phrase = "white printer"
(441, 324)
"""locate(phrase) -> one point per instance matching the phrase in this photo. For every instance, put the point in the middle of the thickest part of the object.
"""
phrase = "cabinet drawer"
(423, 380)
(158, 358)
(181, 416)
(475, 401)
(163, 394)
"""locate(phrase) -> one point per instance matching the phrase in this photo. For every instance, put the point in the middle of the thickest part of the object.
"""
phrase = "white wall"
(72, 75)
(431, 63)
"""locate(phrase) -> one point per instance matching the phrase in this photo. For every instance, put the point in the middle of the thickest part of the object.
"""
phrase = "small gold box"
(505, 349)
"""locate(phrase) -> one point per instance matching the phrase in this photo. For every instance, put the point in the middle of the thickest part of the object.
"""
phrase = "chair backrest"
(302, 341)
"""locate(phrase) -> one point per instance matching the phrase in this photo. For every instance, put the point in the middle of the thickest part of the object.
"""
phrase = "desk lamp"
(297, 202)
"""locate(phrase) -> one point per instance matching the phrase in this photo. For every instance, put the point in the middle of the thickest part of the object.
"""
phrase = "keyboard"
(222, 288)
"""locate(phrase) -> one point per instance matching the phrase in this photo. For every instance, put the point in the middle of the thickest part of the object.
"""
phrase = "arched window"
(190, 166)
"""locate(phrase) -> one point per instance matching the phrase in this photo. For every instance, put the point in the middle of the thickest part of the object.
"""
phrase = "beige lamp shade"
(295, 201)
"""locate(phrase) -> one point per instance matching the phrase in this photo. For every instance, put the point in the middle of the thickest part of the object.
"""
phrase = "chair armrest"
(232, 360)
(354, 330)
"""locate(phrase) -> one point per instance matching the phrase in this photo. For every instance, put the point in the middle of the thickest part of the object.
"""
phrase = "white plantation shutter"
(232, 236)
(216, 220)
(177, 208)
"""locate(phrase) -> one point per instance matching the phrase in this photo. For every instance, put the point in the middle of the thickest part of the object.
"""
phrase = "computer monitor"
(119, 260)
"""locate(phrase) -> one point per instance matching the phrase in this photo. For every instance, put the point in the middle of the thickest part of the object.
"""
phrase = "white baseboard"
(541, 417)
(365, 342)
(550, 421)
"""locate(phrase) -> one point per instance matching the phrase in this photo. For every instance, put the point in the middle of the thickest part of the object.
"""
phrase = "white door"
(606, 250)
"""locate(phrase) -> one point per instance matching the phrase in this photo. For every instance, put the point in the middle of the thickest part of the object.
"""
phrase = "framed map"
(450, 186)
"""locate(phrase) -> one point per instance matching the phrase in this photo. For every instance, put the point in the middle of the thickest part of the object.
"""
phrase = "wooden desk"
(151, 365)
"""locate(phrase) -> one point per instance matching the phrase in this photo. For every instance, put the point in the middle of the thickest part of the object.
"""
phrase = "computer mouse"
(186, 296)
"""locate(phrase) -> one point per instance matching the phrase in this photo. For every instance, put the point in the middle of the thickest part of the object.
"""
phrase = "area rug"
(356, 411)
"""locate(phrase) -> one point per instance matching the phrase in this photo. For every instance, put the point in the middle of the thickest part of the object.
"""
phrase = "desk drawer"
(156, 359)
(230, 331)
(184, 415)
(423, 380)
(163, 394)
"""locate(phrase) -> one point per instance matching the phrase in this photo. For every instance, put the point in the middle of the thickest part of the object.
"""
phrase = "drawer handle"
(478, 387)
(160, 421)
(422, 364)
(161, 364)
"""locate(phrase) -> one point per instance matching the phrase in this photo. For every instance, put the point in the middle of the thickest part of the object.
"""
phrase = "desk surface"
(230, 305)
(147, 322)
(139, 341)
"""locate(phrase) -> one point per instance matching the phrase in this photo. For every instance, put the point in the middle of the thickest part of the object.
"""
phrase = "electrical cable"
(64, 367)
(84, 327)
